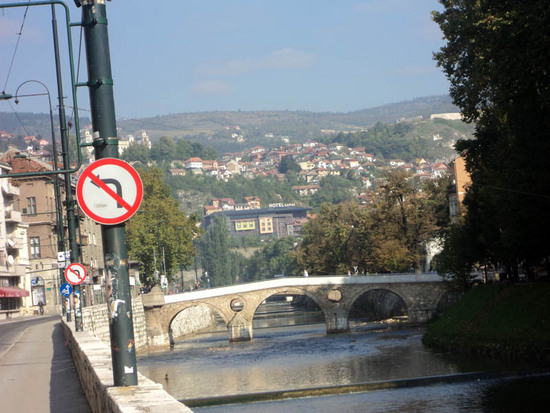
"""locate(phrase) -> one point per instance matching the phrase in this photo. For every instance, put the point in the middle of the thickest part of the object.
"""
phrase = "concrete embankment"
(92, 359)
(357, 388)
(502, 320)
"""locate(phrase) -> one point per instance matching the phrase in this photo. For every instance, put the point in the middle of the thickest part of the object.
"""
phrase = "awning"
(13, 292)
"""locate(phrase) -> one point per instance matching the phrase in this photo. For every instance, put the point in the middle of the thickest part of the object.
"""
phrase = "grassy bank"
(509, 321)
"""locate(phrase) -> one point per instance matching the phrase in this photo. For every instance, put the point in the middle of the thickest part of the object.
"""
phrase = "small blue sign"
(66, 289)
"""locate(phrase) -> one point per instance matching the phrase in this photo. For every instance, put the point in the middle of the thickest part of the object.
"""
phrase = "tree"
(406, 222)
(503, 86)
(336, 240)
(288, 163)
(218, 260)
(159, 236)
(137, 152)
(164, 150)
(274, 258)
(334, 189)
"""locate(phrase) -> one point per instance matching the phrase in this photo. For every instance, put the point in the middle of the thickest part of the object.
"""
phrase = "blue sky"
(208, 55)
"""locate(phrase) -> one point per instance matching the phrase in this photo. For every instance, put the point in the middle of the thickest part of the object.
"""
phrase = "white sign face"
(75, 274)
(109, 191)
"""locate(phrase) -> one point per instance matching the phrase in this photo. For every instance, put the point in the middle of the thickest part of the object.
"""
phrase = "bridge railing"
(303, 281)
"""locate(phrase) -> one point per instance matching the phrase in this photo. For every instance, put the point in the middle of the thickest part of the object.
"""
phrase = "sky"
(211, 55)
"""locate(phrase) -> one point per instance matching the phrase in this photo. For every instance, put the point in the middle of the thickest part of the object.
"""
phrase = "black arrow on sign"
(114, 182)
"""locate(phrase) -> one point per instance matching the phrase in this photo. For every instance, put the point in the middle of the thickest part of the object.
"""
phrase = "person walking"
(305, 272)
(41, 307)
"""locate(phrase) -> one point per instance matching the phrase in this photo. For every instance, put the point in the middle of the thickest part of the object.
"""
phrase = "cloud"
(284, 59)
(212, 88)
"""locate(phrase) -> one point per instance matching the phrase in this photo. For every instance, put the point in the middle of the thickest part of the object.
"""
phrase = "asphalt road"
(37, 372)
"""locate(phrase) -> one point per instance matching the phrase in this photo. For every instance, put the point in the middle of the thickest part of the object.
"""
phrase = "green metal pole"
(100, 84)
(69, 200)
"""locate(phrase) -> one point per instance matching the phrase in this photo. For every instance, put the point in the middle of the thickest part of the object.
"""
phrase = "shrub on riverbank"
(509, 321)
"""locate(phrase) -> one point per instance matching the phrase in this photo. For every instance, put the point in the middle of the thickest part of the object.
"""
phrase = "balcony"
(9, 189)
(13, 216)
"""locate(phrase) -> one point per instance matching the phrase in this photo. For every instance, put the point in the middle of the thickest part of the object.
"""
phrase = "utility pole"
(100, 85)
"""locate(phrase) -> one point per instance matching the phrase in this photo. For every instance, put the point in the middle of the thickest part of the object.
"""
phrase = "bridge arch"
(376, 304)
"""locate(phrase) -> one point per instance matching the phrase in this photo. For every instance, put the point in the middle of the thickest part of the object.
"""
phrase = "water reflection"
(290, 358)
(287, 354)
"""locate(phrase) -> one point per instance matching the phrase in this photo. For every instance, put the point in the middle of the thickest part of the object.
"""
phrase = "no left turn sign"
(75, 274)
(109, 191)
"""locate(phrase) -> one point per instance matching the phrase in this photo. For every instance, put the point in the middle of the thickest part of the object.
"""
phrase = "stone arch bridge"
(335, 296)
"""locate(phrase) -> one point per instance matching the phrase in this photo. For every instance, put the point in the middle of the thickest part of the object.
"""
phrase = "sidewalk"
(37, 372)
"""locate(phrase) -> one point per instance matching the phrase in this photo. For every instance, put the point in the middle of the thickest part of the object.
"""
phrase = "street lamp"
(57, 193)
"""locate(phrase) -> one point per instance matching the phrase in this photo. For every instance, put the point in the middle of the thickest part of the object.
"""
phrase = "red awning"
(13, 292)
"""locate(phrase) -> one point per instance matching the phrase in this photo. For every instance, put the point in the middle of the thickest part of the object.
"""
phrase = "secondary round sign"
(75, 274)
(109, 191)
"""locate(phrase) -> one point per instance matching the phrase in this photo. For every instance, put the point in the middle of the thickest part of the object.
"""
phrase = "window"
(31, 205)
(35, 247)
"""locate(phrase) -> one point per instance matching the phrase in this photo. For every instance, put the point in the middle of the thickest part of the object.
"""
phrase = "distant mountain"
(232, 131)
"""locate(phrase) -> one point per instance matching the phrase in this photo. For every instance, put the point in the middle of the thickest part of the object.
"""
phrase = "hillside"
(232, 131)
(238, 130)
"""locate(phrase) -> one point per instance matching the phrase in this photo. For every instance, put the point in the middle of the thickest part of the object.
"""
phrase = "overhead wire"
(16, 47)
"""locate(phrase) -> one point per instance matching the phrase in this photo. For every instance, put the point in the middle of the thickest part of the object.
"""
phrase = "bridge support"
(239, 328)
(420, 313)
(337, 321)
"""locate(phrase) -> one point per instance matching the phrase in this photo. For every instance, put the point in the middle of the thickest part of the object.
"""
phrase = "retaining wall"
(92, 359)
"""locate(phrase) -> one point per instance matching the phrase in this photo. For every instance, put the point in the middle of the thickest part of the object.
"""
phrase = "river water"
(291, 351)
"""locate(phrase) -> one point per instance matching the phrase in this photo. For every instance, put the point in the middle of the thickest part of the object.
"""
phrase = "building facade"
(264, 222)
(13, 251)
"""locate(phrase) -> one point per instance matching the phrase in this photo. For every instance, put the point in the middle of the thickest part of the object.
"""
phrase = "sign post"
(102, 105)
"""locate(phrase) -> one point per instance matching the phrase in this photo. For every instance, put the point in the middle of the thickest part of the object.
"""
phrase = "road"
(37, 372)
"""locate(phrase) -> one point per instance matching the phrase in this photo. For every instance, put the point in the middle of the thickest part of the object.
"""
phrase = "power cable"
(16, 46)
(18, 118)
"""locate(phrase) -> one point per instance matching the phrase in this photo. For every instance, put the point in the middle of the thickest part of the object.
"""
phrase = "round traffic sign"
(66, 289)
(75, 273)
(109, 191)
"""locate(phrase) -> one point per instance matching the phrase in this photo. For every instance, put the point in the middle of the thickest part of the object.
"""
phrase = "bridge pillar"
(337, 321)
(239, 328)
(420, 313)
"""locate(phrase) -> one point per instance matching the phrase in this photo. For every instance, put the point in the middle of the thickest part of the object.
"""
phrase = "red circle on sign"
(130, 206)
(75, 274)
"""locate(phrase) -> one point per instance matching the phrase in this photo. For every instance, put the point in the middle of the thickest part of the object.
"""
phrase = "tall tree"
(217, 256)
(336, 240)
(497, 57)
(159, 236)
(406, 220)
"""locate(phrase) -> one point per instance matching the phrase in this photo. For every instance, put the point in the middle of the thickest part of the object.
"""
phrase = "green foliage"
(336, 240)
(137, 152)
(334, 189)
(389, 236)
(505, 320)
(222, 264)
(288, 163)
(503, 86)
(386, 141)
(159, 233)
(274, 258)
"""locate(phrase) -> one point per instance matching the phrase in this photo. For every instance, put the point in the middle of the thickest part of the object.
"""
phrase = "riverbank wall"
(501, 320)
(92, 359)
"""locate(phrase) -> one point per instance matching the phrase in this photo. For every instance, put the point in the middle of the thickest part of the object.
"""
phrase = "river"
(291, 351)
